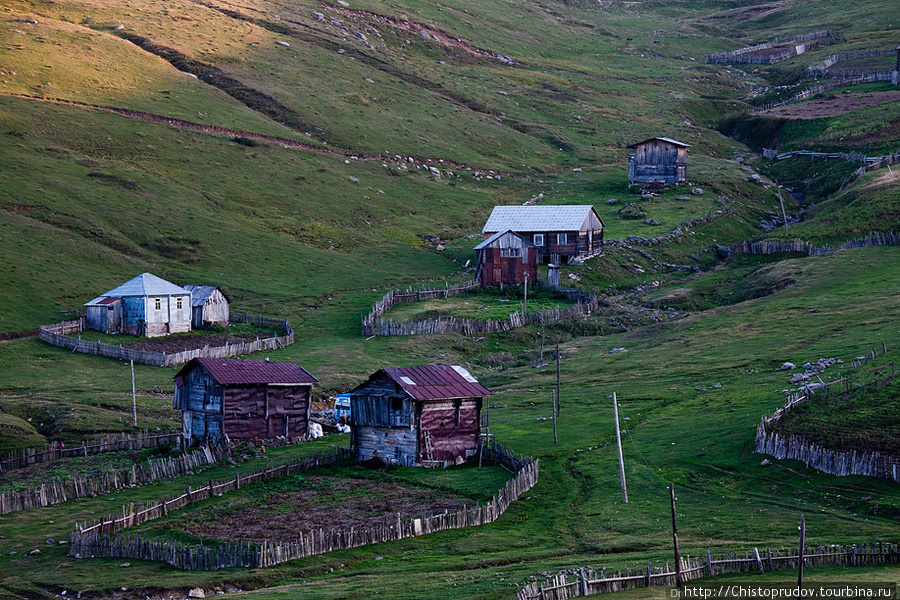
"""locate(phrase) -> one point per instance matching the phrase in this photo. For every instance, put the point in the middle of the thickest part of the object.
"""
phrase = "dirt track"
(832, 107)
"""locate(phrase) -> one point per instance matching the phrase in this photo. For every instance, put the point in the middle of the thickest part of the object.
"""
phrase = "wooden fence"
(374, 324)
(112, 442)
(797, 245)
(587, 581)
(833, 462)
(102, 483)
(823, 68)
(831, 85)
(409, 295)
(745, 55)
(95, 540)
(56, 335)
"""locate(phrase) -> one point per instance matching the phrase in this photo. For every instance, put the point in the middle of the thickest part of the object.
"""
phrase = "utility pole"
(619, 444)
(802, 543)
(780, 199)
(553, 398)
(557, 379)
(525, 305)
(133, 396)
(675, 539)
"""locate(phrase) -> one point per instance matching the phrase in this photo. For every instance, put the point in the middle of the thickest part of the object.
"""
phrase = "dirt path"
(832, 107)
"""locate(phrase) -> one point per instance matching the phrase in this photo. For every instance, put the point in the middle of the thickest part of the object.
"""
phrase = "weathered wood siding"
(200, 399)
(657, 161)
(266, 411)
(241, 412)
(383, 418)
(497, 269)
(214, 310)
(106, 317)
(454, 427)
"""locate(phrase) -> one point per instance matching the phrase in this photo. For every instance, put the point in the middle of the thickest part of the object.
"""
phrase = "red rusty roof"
(231, 371)
(437, 382)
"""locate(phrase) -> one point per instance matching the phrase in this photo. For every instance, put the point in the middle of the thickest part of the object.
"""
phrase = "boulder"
(697, 191)
(196, 593)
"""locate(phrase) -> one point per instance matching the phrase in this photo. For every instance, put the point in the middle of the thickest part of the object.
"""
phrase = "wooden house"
(242, 399)
(146, 305)
(658, 160)
(505, 258)
(209, 306)
(417, 416)
(558, 233)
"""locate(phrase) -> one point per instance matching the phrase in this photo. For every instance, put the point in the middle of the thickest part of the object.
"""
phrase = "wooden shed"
(209, 306)
(417, 416)
(658, 160)
(146, 305)
(559, 233)
(242, 399)
(505, 258)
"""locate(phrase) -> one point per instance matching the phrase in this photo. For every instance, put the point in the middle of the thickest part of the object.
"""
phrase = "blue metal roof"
(200, 293)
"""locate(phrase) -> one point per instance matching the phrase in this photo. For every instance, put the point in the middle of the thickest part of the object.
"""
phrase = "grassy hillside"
(297, 178)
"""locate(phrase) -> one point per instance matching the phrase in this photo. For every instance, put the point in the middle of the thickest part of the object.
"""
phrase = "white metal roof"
(537, 218)
(145, 284)
(200, 293)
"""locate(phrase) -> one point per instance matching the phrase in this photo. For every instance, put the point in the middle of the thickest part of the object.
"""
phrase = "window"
(510, 252)
(157, 303)
(561, 239)
(178, 303)
(539, 239)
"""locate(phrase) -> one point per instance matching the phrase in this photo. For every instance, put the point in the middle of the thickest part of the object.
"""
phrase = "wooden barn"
(242, 399)
(558, 233)
(505, 258)
(209, 306)
(417, 416)
(658, 160)
(146, 305)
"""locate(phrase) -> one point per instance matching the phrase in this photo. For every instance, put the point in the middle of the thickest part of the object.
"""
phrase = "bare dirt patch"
(190, 342)
(322, 502)
(832, 107)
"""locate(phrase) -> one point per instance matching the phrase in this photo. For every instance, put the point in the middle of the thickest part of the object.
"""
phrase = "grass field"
(317, 235)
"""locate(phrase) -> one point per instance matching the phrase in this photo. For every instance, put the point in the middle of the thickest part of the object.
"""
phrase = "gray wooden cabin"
(209, 306)
(417, 416)
(146, 306)
(560, 233)
(242, 399)
(659, 160)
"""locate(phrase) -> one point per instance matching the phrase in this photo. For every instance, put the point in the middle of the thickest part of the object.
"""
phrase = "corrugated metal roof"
(497, 236)
(200, 293)
(662, 139)
(102, 300)
(537, 218)
(437, 382)
(232, 371)
(146, 284)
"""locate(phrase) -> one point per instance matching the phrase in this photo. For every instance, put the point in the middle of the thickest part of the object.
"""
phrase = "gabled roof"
(103, 301)
(661, 139)
(499, 235)
(538, 218)
(435, 382)
(201, 293)
(145, 284)
(232, 371)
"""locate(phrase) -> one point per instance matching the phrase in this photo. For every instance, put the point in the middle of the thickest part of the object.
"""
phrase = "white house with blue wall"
(145, 306)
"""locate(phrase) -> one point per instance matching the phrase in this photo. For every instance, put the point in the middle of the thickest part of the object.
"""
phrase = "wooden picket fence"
(810, 249)
(57, 335)
(833, 462)
(113, 442)
(588, 581)
(374, 324)
(745, 55)
(94, 540)
(96, 484)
